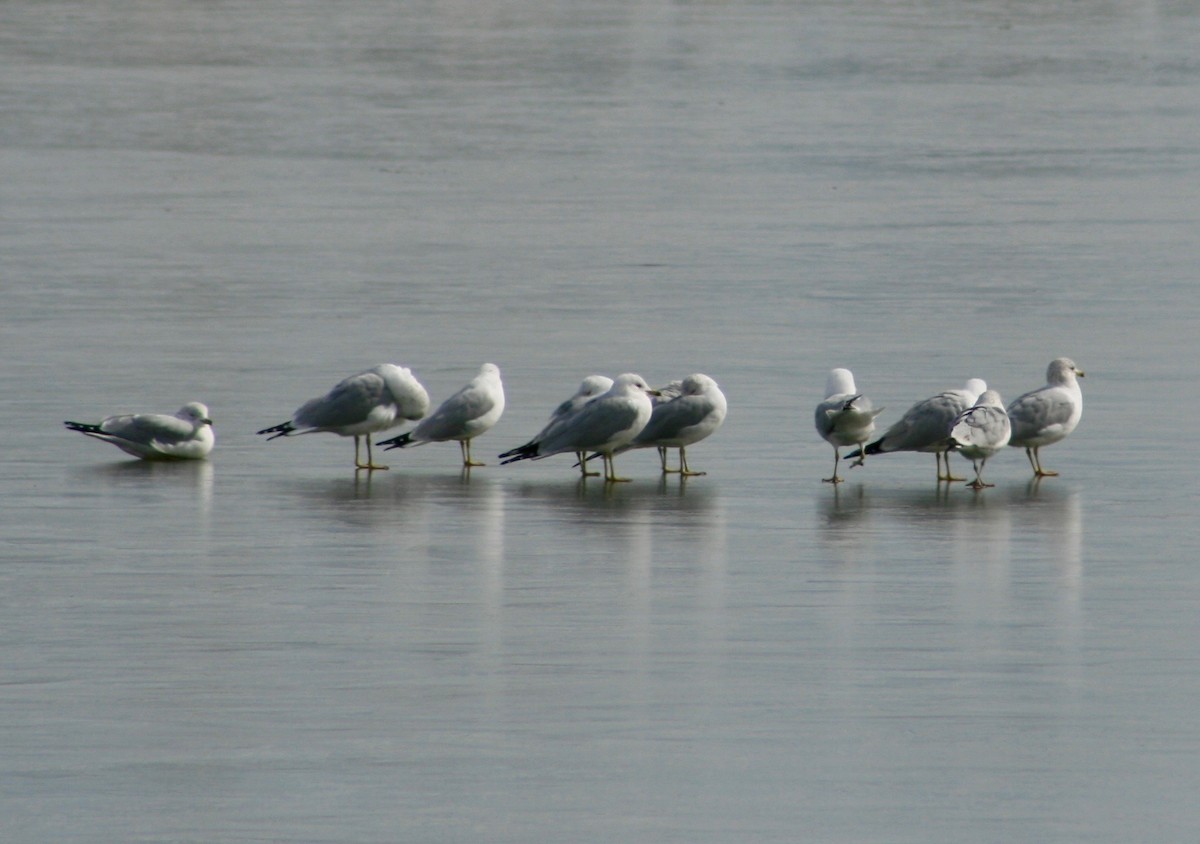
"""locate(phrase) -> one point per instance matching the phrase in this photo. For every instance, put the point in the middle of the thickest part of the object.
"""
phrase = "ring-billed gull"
(924, 425)
(602, 425)
(591, 387)
(187, 435)
(471, 411)
(980, 432)
(845, 417)
(686, 412)
(1047, 414)
(382, 397)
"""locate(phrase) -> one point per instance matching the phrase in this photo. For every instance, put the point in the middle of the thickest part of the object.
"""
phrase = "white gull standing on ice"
(1047, 414)
(845, 417)
(379, 398)
(687, 412)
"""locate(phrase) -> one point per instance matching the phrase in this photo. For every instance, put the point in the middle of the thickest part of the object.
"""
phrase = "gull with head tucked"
(845, 417)
(379, 398)
(686, 412)
(1047, 414)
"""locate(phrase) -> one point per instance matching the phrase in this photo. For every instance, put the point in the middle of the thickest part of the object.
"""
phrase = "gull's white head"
(698, 384)
(412, 402)
(839, 382)
(631, 383)
(195, 413)
(975, 386)
(989, 398)
(593, 385)
(1062, 371)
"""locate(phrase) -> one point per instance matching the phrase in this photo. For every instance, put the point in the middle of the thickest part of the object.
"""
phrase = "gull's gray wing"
(925, 423)
(1038, 411)
(826, 414)
(148, 429)
(980, 426)
(448, 421)
(845, 413)
(673, 417)
(349, 403)
(562, 413)
(593, 426)
(667, 392)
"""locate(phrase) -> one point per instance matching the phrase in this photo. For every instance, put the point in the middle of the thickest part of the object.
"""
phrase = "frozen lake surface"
(243, 202)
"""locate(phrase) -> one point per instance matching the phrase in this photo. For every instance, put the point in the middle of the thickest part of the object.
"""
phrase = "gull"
(845, 417)
(923, 427)
(591, 387)
(187, 435)
(980, 432)
(602, 425)
(1047, 414)
(379, 398)
(686, 412)
(471, 411)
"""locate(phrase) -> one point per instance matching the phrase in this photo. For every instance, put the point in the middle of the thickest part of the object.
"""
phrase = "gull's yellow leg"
(683, 465)
(949, 476)
(1036, 460)
(582, 456)
(978, 482)
(610, 475)
(369, 464)
(465, 447)
(662, 458)
(835, 479)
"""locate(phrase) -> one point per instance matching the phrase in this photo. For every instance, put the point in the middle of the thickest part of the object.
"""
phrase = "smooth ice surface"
(241, 202)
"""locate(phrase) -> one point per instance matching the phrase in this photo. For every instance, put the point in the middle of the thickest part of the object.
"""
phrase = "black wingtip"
(874, 448)
(520, 452)
(281, 430)
(82, 427)
(525, 452)
(395, 442)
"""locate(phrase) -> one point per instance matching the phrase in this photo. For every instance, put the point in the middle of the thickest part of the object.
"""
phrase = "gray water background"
(243, 202)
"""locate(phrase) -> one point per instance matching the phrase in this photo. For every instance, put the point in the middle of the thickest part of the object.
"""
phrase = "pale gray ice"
(245, 202)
